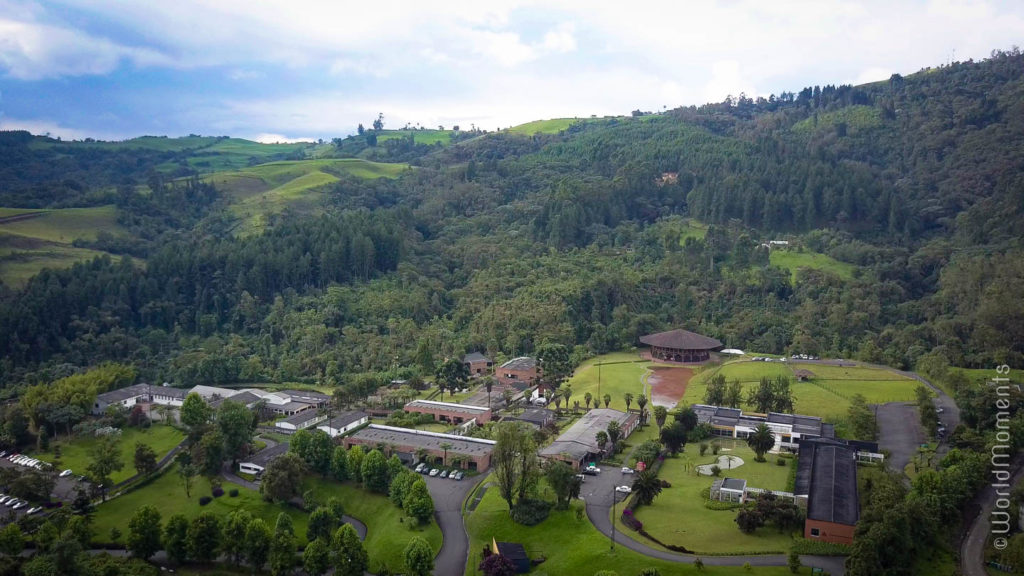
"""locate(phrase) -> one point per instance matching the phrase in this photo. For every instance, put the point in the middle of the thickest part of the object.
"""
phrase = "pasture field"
(552, 126)
(387, 531)
(63, 225)
(259, 191)
(75, 454)
(796, 261)
(678, 515)
(167, 494)
(620, 372)
(570, 544)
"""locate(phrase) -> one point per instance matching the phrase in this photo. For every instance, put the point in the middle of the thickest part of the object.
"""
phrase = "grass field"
(571, 544)
(678, 515)
(259, 191)
(827, 395)
(75, 454)
(44, 240)
(620, 372)
(553, 126)
(795, 261)
(167, 494)
(387, 532)
(855, 118)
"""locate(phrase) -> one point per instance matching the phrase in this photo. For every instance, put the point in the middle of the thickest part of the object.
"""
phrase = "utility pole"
(613, 519)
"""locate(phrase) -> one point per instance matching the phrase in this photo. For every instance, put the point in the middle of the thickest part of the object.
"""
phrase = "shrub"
(703, 448)
(715, 447)
(715, 470)
(203, 501)
(233, 493)
(530, 512)
(218, 492)
(780, 462)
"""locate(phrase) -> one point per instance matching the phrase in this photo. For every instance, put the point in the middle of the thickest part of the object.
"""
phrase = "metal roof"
(680, 340)
(475, 357)
(737, 484)
(265, 456)
(301, 417)
(344, 419)
(581, 438)
(520, 363)
(435, 405)
(376, 433)
(827, 474)
(122, 394)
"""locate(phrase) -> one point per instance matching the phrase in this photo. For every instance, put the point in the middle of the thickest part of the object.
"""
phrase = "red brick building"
(442, 449)
(450, 412)
(518, 370)
(478, 364)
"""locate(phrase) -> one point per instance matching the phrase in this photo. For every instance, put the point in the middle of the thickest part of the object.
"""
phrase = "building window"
(815, 532)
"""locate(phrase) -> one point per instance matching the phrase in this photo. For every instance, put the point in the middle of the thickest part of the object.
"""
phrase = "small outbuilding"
(802, 375)
(514, 552)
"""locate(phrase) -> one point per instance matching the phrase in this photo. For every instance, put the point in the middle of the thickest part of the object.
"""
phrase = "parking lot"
(63, 491)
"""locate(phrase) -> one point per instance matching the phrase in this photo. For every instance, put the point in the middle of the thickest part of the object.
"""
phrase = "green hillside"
(259, 191)
(428, 137)
(552, 126)
(796, 261)
(31, 240)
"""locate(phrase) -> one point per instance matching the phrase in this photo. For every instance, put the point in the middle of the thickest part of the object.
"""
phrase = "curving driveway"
(448, 497)
(599, 493)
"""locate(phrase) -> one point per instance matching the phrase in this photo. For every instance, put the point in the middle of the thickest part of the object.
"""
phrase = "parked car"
(21, 504)
(444, 474)
(420, 467)
(627, 470)
(3, 453)
(32, 511)
(940, 410)
(453, 475)
(11, 502)
(5, 498)
(459, 475)
(623, 489)
(582, 478)
(593, 469)
(66, 473)
(13, 456)
(435, 472)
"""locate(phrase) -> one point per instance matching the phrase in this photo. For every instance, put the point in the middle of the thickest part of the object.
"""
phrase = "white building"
(344, 423)
(300, 421)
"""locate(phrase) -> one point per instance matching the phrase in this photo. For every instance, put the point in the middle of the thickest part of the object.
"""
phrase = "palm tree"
(628, 397)
(567, 393)
(761, 441)
(602, 439)
(489, 384)
(445, 446)
(641, 401)
(660, 415)
(607, 400)
(587, 398)
(646, 486)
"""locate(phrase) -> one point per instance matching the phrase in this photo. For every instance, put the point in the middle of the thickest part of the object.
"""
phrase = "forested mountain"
(589, 237)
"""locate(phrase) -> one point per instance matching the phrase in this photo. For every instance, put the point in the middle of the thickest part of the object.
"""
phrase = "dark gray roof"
(827, 474)
(680, 340)
(246, 398)
(375, 433)
(122, 394)
(803, 425)
(512, 550)
(475, 357)
(449, 406)
(307, 395)
(301, 417)
(344, 419)
(737, 484)
(292, 406)
(265, 456)
(520, 363)
(581, 438)
(537, 416)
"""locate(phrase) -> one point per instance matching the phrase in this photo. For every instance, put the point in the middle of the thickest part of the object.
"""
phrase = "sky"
(284, 70)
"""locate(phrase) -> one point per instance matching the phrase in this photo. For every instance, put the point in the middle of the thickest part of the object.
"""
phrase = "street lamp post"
(613, 519)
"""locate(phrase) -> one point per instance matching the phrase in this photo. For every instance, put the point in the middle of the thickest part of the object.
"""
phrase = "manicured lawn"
(571, 544)
(620, 372)
(167, 493)
(795, 261)
(387, 530)
(75, 454)
(678, 515)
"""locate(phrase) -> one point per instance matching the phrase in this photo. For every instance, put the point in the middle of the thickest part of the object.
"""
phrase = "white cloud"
(30, 51)
(560, 39)
(873, 74)
(280, 139)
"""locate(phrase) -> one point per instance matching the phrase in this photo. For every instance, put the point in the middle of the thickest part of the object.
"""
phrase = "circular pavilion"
(680, 346)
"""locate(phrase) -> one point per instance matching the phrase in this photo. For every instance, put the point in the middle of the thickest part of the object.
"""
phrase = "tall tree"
(282, 480)
(660, 415)
(607, 400)
(175, 538)
(233, 538)
(237, 426)
(350, 557)
(105, 459)
(316, 558)
(641, 402)
(257, 543)
(453, 375)
(375, 471)
(144, 532)
(418, 503)
(561, 478)
(646, 486)
(555, 364)
(321, 452)
(282, 547)
(513, 460)
(145, 459)
(195, 414)
(204, 537)
(419, 557)
(628, 398)
(673, 437)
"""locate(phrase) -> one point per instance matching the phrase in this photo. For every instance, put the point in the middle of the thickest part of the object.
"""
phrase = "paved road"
(972, 548)
(448, 496)
(899, 432)
(599, 493)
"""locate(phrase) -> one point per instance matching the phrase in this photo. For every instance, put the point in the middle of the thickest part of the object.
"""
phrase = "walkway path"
(448, 497)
